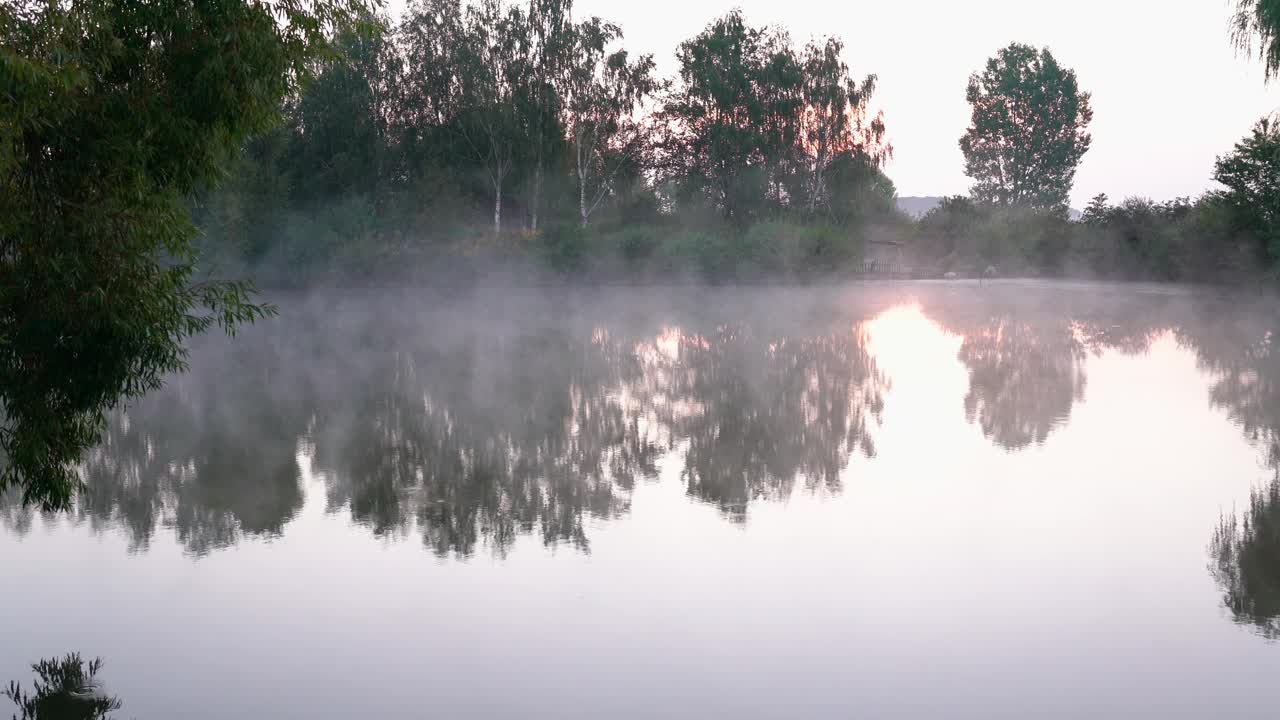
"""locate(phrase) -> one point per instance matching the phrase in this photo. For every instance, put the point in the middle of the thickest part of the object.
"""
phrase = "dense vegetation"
(472, 135)
(492, 136)
(112, 114)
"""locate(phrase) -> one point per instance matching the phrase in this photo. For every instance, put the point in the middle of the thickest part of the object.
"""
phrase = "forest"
(472, 139)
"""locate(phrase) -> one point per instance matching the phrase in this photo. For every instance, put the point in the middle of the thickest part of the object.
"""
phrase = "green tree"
(548, 42)
(1255, 27)
(1028, 129)
(1251, 173)
(604, 93)
(111, 114)
(733, 118)
(835, 117)
(341, 124)
(486, 65)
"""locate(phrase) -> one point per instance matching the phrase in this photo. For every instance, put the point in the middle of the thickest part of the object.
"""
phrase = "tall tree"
(733, 117)
(604, 92)
(1251, 173)
(488, 68)
(428, 36)
(341, 124)
(1028, 129)
(112, 112)
(1255, 27)
(549, 42)
(835, 118)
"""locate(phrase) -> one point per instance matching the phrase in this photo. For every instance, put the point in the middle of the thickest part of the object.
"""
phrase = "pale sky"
(1169, 91)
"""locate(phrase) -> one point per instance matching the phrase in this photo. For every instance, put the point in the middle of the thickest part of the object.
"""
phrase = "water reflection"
(469, 424)
(1025, 351)
(1245, 561)
(1235, 342)
(472, 433)
(481, 437)
(755, 411)
(1235, 345)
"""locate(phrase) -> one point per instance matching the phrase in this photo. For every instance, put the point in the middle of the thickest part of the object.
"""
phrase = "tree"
(733, 119)
(111, 114)
(604, 91)
(1258, 21)
(340, 125)
(855, 188)
(834, 120)
(486, 65)
(428, 37)
(1028, 129)
(1251, 172)
(549, 42)
(1097, 211)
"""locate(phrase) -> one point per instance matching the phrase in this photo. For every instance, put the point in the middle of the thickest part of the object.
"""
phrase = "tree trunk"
(537, 194)
(582, 190)
(497, 210)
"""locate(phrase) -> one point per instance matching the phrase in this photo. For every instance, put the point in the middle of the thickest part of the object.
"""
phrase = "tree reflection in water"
(471, 426)
(468, 425)
(1245, 561)
(756, 411)
(1235, 344)
(1025, 350)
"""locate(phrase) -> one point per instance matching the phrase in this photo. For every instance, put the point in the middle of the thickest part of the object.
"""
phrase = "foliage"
(1028, 129)
(65, 689)
(753, 125)
(1201, 240)
(416, 136)
(603, 94)
(111, 113)
(1251, 174)
(1258, 21)
(1243, 555)
(730, 120)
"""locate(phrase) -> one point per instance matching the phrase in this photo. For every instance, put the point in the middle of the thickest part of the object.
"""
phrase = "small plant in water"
(65, 689)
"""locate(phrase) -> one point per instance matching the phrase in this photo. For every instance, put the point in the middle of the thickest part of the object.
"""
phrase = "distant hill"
(916, 206)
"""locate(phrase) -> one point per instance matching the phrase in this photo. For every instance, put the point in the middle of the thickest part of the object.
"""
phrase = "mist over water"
(897, 500)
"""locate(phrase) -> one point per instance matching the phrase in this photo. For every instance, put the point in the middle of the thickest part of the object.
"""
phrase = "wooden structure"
(886, 258)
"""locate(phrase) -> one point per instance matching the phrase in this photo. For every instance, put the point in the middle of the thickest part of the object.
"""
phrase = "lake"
(900, 500)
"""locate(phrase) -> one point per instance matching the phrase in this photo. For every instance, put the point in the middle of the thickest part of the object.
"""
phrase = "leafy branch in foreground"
(111, 114)
(1255, 28)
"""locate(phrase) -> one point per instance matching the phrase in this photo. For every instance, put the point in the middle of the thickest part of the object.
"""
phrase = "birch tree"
(835, 119)
(604, 94)
(488, 70)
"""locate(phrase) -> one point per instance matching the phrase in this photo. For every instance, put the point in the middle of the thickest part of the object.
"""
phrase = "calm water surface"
(900, 501)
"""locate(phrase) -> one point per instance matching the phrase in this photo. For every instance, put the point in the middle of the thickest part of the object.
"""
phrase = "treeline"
(493, 131)
(472, 137)
(1226, 235)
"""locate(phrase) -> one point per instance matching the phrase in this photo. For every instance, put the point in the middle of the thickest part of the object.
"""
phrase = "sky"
(1169, 91)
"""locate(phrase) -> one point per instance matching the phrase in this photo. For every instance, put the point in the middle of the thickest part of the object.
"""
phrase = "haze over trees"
(146, 151)
(520, 136)
(503, 133)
